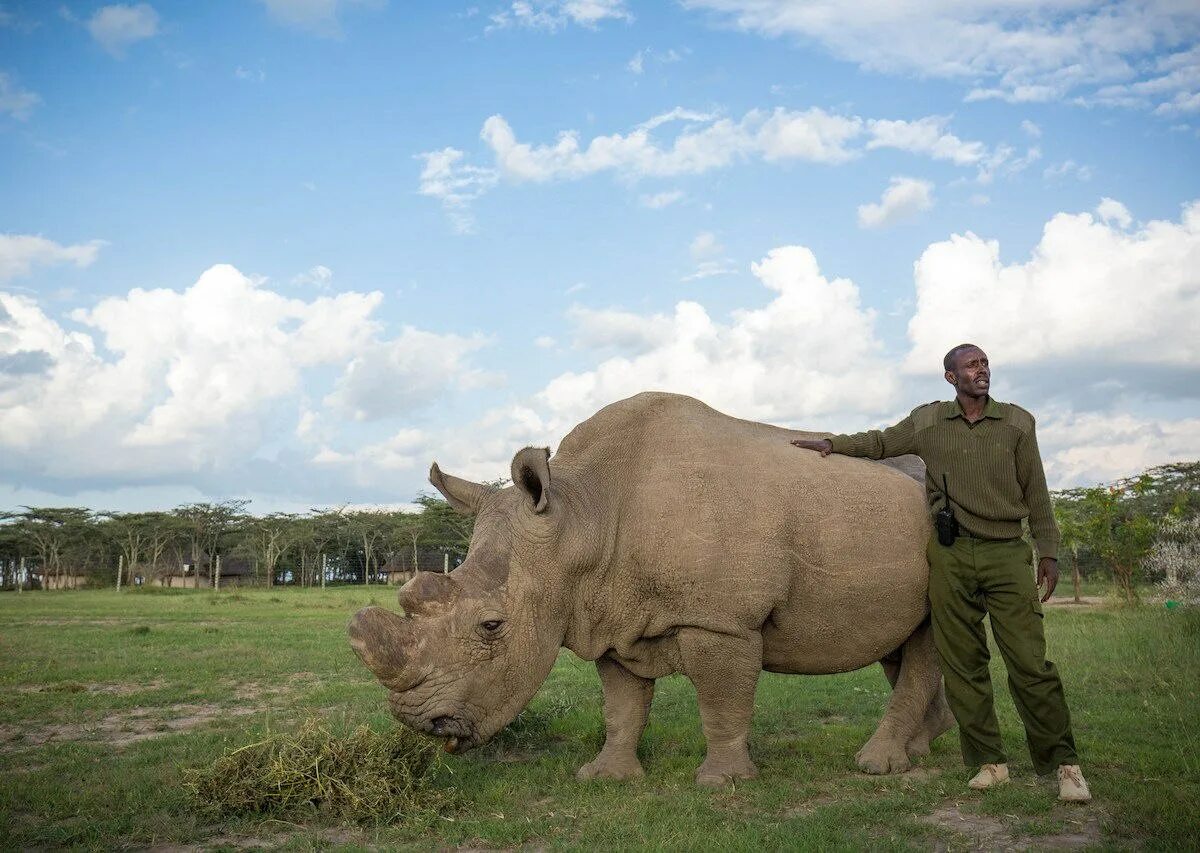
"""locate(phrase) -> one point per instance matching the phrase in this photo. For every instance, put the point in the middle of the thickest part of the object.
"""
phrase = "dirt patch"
(809, 806)
(118, 729)
(119, 688)
(986, 832)
(328, 837)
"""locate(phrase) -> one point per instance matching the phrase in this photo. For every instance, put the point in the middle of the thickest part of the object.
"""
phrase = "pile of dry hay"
(363, 777)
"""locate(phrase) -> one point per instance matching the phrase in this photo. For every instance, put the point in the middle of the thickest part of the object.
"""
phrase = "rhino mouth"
(459, 734)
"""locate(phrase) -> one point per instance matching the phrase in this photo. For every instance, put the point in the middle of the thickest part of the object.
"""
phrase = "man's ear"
(531, 474)
(951, 378)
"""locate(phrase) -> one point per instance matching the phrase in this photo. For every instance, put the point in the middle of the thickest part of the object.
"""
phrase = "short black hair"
(948, 361)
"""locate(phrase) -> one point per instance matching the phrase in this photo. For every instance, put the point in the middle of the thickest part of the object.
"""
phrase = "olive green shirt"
(993, 469)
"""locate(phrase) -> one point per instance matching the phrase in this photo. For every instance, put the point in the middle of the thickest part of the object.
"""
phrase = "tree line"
(59, 546)
(1135, 530)
(1139, 529)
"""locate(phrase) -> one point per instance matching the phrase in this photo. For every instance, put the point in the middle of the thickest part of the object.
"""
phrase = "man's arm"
(896, 440)
(1032, 477)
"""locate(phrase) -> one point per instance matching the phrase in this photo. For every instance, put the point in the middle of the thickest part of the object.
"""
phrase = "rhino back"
(720, 523)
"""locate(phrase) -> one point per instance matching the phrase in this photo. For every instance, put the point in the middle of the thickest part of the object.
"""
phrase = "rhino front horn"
(380, 638)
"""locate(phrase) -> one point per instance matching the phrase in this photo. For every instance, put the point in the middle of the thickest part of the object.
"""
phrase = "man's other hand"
(1047, 574)
(822, 445)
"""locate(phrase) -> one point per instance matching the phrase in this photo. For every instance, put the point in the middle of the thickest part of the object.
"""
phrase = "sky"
(296, 250)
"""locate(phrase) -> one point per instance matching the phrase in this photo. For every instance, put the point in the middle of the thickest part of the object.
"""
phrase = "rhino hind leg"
(916, 712)
(724, 670)
(627, 699)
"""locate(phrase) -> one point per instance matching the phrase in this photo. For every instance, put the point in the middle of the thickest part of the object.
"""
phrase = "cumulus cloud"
(554, 15)
(164, 385)
(805, 354)
(117, 27)
(389, 378)
(903, 199)
(1085, 448)
(14, 100)
(1014, 50)
(1094, 291)
(20, 253)
(320, 277)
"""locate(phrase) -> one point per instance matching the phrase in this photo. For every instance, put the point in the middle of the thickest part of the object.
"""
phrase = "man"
(987, 453)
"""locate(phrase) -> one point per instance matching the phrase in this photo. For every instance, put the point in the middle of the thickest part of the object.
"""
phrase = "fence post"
(120, 570)
(445, 562)
(217, 576)
(324, 568)
(21, 575)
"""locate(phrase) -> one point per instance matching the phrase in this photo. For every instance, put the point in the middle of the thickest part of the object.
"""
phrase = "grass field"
(106, 697)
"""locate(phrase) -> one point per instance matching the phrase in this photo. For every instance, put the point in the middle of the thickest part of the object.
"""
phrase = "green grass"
(126, 690)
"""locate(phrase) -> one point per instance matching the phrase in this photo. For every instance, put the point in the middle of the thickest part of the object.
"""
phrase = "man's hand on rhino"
(1047, 573)
(822, 445)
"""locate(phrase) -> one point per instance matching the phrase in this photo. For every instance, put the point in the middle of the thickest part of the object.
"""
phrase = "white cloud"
(1092, 292)
(20, 253)
(926, 136)
(1031, 129)
(657, 201)
(1110, 210)
(1015, 50)
(164, 385)
(544, 342)
(554, 15)
(390, 378)
(15, 101)
(320, 277)
(705, 251)
(1067, 169)
(805, 354)
(903, 199)
(637, 65)
(117, 27)
(701, 143)
(455, 184)
(319, 17)
(1086, 448)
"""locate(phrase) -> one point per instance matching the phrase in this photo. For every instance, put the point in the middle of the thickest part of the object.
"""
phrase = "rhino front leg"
(627, 700)
(724, 670)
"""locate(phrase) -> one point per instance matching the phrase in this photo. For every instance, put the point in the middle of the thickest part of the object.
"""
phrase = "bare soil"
(118, 729)
(987, 832)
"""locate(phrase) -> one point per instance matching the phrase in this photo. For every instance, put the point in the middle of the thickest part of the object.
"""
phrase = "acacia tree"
(1119, 533)
(267, 539)
(208, 525)
(49, 532)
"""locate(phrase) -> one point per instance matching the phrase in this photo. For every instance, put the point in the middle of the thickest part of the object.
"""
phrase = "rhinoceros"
(666, 537)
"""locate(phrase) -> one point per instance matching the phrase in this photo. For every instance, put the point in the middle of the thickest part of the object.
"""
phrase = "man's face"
(971, 376)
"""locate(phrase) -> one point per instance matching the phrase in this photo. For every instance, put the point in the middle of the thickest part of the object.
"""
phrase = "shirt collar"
(953, 409)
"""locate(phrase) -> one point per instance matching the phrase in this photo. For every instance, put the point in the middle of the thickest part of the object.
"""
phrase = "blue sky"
(294, 250)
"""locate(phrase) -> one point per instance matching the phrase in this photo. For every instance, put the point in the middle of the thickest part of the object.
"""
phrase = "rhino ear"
(531, 474)
(463, 495)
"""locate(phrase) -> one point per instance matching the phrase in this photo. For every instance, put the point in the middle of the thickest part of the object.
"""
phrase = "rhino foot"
(608, 767)
(713, 774)
(880, 756)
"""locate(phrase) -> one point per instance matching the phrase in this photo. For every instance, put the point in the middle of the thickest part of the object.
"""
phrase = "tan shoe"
(989, 776)
(1072, 787)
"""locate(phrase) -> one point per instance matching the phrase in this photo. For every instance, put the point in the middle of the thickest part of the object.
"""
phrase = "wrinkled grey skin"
(667, 537)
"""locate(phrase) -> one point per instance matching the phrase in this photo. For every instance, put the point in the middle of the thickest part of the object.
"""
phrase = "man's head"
(968, 371)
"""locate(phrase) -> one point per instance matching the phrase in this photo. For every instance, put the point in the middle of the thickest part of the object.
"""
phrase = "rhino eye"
(491, 626)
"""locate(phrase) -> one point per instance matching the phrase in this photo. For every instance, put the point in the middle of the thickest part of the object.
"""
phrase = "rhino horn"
(381, 639)
(461, 494)
(427, 593)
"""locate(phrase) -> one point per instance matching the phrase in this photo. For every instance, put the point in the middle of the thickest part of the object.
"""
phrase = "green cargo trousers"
(967, 580)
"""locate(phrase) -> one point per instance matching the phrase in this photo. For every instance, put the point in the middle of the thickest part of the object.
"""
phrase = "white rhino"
(665, 537)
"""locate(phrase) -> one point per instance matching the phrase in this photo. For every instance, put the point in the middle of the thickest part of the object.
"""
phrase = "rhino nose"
(381, 640)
